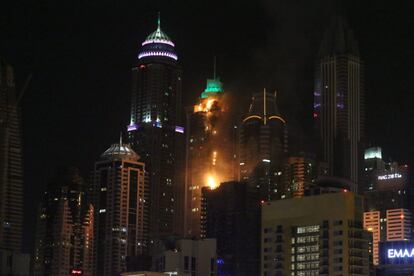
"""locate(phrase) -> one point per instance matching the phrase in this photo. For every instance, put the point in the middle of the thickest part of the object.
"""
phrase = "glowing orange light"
(209, 103)
(212, 182)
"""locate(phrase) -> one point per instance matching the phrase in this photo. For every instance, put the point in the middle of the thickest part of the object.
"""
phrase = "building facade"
(156, 130)
(314, 235)
(186, 257)
(339, 102)
(263, 145)
(300, 173)
(121, 212)
(211, 149)
(389, 210)
(64, 234)
(231, 215)
(11, 163)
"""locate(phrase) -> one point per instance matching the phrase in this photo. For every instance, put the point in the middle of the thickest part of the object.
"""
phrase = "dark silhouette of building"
(156, 130)
(121, 212)
(211, 146)
(339, 102)
(231, 214)
(11, 166)
(64, 236)
(263, 145)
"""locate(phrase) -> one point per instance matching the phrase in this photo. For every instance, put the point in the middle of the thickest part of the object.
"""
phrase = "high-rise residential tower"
(389, 208)
(156, 130)
(211, 149)
(11, 171)
(263, 145)
(339, 102)
(121, 217)
(64, 236)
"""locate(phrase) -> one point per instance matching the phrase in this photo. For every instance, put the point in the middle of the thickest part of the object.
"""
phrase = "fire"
(212, 182)
(209, 103)
(205, 105)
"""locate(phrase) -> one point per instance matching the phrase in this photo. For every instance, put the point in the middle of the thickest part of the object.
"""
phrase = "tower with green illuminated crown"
(211, 149)
(156, 130)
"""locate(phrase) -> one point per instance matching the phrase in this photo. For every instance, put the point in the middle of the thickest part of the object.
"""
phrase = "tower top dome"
(120, 151)
(157, 44)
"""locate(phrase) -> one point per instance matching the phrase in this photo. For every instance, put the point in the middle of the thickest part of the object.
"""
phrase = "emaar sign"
(400, 253)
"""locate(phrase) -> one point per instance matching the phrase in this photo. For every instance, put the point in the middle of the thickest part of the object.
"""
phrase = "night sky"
(80, 54)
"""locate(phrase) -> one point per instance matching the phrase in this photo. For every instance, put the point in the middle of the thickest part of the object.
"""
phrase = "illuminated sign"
(400, 253)
(390, 176)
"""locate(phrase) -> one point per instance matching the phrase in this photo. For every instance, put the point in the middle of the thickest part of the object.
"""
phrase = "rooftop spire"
(120, 138)
(214, 76)
(159, 20)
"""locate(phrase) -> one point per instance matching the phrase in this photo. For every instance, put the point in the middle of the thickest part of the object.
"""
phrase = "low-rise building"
(186, 257)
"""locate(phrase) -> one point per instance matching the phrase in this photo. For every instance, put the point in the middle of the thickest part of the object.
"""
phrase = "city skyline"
(46, 128)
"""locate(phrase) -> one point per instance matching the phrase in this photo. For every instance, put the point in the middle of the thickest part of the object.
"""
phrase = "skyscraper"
(11, 167)
(339, 102)
(231, 214)
(211, 149)
(121, 217)
(389, 208)
(156, 130)
(64, 236)
(263, 144)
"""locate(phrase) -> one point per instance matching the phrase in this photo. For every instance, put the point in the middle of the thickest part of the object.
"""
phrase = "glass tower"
(156, 130)
(11, 167)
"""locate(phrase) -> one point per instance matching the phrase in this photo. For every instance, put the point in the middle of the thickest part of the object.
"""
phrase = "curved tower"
(263, 146)
(156, 130)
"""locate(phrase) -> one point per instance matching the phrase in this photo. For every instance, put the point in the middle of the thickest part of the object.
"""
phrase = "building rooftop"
(339, 39)
(213, 86)
(263, 107)
(158, 44)
(120, 151)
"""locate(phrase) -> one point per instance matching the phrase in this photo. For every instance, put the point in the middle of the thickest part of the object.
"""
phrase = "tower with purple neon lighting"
(339, 102)
(156, 130)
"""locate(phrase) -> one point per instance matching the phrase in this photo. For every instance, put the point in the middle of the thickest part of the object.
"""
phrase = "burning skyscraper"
(211, 149)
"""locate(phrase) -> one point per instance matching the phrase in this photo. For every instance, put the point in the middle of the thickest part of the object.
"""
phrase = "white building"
(187, 258)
